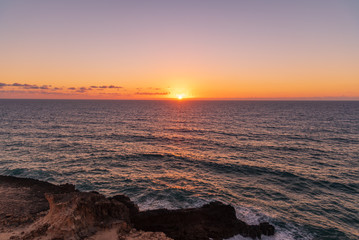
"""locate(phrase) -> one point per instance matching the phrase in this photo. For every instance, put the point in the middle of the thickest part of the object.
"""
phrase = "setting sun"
(180, 97)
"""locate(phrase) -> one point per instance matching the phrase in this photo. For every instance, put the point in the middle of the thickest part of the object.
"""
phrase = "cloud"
(25, 86)
(112, 86)
(31, 87)
(91, 88)
(106, 86)
(35, 92)
(84, 91)
(152, 93)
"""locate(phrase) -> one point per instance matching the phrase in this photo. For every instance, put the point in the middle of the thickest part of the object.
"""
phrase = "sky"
(161, 49)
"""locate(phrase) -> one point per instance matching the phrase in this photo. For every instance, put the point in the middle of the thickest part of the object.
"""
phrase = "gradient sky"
(306, 49)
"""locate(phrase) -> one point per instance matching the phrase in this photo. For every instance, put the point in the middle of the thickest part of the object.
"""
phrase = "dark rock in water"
(214, 220)
(267, 229)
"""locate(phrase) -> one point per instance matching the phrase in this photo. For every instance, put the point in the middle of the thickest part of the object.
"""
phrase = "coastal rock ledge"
(32, 209)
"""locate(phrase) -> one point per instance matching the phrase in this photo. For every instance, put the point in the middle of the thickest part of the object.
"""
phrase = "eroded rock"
(214, 220)
(22, 200)
(77, 215)
(82, 214)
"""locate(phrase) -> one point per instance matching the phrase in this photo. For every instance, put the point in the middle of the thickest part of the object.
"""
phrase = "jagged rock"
(77, 215)
(82, 214)
(132, 207)
(214, 220)
(267, 229)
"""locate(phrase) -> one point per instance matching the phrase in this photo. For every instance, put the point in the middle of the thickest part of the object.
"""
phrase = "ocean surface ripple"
(294, 164)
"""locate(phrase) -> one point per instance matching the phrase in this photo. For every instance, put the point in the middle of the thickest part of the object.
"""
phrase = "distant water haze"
(294, 164)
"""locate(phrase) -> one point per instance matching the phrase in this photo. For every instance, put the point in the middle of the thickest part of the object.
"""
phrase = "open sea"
(293, 164)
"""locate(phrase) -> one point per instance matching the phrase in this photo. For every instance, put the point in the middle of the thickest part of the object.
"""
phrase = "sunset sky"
(198, 49)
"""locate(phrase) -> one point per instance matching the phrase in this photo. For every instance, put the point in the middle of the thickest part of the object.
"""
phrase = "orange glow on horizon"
(238, 50)
(320, 88)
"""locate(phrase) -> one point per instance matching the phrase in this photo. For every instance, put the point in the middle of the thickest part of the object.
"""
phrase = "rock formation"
(77, 215)
(22, 200)
(86, 215)
(214, 220)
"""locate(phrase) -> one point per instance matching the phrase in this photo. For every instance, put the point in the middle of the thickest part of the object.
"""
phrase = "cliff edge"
(32, 209)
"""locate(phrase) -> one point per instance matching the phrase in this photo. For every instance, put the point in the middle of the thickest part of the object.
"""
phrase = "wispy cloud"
(83, 89)
(25, 86)
(95, 91)
(152, 93)
(105, 86)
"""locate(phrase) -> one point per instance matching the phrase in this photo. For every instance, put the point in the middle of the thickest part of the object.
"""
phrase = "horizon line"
(195, 99)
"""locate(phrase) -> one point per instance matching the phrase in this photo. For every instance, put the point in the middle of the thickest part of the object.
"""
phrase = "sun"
(179, 94)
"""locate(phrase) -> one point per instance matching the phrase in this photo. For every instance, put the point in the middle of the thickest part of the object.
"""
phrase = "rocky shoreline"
(33, 209)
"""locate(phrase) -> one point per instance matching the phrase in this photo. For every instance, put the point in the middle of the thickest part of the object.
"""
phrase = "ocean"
(294, 164)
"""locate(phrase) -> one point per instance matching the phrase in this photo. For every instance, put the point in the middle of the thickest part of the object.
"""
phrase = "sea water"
(293, 164)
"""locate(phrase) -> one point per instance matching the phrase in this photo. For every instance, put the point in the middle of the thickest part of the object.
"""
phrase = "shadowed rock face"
(132, 207)
(214, 220)
(22, 200)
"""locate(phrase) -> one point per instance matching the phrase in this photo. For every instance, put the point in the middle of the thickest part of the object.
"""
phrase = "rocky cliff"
(32, 209)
